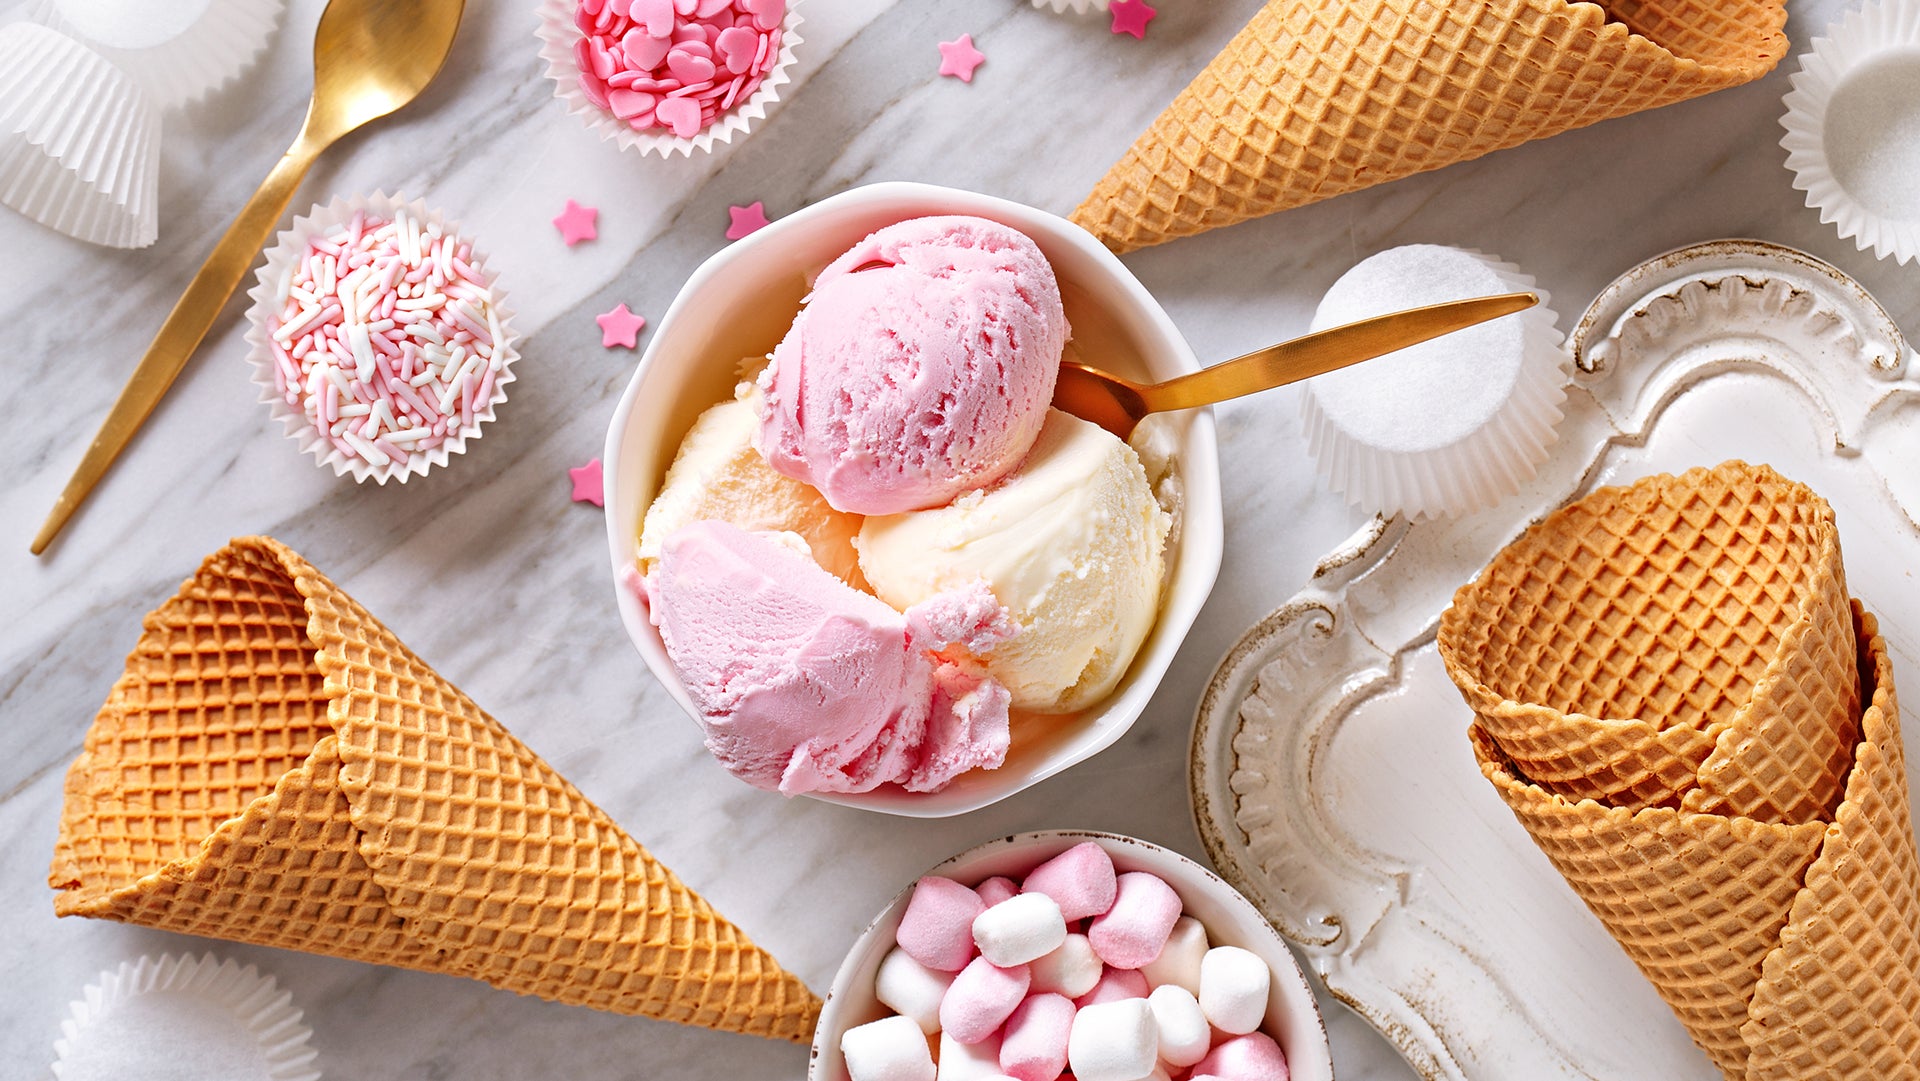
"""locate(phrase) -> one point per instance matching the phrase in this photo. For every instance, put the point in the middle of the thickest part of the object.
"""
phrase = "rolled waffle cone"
(274, 767)
(1315, 98)
(1790, 951)
(1682, 642)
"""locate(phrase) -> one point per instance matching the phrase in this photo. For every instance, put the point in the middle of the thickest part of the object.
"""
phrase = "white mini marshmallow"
(1113, 1041)
(890, 1049)
(1233, 989)
(1185, 1036)
(1179, 961)
(1022, 928)
(912, 989)
(1071, 970)
(969, 1062)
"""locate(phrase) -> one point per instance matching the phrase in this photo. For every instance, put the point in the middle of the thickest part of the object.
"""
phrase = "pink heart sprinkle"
(680, 114)
(643, 51)
(766, 13)
(655, 15)
(594, 89)
(736, 47)
(686, 32)
(689, 68)
(709, 8)
(685, 7)
(592, 7)
(602, 59)
(628, 104)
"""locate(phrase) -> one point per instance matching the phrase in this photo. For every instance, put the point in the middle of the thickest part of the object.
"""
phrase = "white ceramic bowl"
(1293, 1018)
(740, 302)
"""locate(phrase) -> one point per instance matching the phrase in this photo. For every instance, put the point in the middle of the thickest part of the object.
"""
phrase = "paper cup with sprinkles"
(379, 338)
(669, 76)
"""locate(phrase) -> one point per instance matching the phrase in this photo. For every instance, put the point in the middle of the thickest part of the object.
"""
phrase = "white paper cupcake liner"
(79, 140)
(1417, 432)
(557, 34)
(268, 294)
(179, 51)
(183, 1016)
(1081, 7)
(1853, 128)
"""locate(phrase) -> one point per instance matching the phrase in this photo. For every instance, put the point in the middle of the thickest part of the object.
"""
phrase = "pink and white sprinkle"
(387, 337)
(675, 64)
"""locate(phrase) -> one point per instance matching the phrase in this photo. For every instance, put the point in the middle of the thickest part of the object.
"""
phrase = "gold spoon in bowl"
(1118, 404)
(370, 57)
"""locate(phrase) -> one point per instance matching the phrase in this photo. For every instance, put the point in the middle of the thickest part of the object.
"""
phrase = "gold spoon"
(370, 57)
(1118, 404)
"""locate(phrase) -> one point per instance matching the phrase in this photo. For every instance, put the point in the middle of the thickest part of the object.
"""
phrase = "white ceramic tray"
(1330, 772)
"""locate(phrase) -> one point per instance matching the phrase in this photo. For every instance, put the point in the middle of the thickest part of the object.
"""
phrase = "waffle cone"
(1789, 951)
(275, 767)
(1682, 642)
(1315, 98)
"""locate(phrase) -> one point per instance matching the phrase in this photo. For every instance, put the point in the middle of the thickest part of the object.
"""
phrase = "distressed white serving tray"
(1330, 772)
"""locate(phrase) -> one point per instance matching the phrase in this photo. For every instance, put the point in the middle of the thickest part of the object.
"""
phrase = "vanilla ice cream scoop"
(718, 475)
(1071, 543)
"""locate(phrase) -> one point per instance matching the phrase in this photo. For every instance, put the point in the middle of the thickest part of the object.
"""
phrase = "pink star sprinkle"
(619, 327)
(576, 223)
(958, 58)
(586, 484)
(1131, 17)
(746, 219)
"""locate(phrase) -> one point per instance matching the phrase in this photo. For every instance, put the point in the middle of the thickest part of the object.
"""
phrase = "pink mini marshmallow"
(1115, 984)
(1080, 880)
(1034, 1045)
(937, 928)
(1134, 931)
(996, 889)
(981, 998)
(1253, 1057)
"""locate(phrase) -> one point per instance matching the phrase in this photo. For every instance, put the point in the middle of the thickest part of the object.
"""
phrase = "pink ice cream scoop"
(805, 684)
(920, 368)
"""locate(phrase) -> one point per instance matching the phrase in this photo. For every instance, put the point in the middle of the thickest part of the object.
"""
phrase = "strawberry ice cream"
(805, 684)
(920, 368)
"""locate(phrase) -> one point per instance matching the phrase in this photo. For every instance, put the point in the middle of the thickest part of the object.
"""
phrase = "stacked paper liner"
(1666, 680)
(275, 767)
(1319, 97)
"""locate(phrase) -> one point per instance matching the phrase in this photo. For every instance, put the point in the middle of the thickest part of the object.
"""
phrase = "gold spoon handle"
(1316, 354)
(183, 331)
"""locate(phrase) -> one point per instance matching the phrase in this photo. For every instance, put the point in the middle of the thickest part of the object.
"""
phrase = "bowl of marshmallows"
(1073, 953)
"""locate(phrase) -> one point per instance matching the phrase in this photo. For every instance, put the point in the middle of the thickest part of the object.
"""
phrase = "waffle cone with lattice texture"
(1789, 951)
(1683, 642)
(274, 767)
(1315, 98)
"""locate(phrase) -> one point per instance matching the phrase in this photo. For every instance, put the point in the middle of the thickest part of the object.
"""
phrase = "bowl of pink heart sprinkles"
(669, 76)
(378, 337)
(1067, 953)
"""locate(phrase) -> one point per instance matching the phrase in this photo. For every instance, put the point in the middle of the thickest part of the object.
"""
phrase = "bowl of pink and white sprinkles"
(379, 338)
(1070, 954)
(669, 76)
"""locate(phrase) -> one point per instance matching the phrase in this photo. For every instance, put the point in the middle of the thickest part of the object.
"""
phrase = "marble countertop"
(491, 573)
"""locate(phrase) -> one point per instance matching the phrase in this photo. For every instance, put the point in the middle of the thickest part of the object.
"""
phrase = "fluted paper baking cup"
(558, 33)
(1449, 426)
(206, 1017)
(1853, 128)
(79, 140)
(272, 282)
(1080, 6)
(179, 51)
